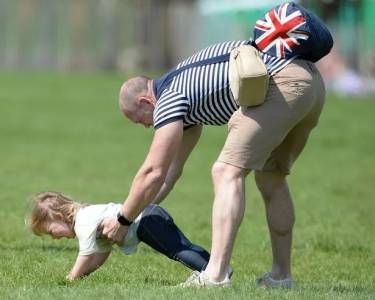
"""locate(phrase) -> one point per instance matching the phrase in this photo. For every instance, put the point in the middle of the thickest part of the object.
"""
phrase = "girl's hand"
(69, 278)
(113, 230)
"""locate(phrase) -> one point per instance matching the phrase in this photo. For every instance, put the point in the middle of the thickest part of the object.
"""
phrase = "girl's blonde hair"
(47, 205)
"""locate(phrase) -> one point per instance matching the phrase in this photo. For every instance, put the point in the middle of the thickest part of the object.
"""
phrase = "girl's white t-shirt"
(88, 219)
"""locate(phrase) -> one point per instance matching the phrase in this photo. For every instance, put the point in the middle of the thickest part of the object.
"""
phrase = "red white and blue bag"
(291, 31)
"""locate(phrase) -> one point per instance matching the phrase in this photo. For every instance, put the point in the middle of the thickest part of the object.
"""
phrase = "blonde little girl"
(59, 216)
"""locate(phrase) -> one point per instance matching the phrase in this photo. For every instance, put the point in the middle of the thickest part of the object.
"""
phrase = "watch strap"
(123, 220)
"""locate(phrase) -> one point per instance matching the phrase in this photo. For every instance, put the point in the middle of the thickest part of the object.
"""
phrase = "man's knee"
(269, 183)
(227, 172)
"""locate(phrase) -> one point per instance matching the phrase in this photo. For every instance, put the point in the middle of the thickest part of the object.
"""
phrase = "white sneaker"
(266, 281)
(192, 278)
(200, 279)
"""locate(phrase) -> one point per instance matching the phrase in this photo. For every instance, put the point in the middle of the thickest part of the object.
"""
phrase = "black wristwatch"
(123, 220)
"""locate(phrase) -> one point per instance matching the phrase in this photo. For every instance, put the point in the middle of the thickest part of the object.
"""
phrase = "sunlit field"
(65, 133)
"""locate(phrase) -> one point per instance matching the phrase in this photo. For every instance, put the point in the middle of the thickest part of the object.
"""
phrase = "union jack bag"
(289, 31)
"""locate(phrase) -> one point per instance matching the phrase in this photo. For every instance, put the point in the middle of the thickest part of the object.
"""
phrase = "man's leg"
(227, 213)
(280, 218)
(273, 186)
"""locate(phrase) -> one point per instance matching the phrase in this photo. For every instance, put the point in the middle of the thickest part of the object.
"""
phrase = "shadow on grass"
(50, 248)
(330, 246)
(158, 281)
(340, 289)
(345, 290)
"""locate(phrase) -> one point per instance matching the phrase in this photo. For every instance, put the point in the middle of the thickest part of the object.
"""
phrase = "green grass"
(65, 133)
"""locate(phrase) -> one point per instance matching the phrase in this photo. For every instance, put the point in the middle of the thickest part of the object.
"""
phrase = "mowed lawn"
(65, 133)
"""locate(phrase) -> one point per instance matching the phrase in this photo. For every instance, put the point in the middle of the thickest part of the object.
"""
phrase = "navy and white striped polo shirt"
(201, 94)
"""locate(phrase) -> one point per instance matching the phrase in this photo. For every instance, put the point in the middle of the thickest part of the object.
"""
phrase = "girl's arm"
(86, 264)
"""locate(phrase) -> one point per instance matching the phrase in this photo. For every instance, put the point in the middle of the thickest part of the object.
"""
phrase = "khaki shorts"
(271, 136)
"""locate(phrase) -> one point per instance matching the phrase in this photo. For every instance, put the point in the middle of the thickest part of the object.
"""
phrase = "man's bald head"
(131, 90)
(137, 100)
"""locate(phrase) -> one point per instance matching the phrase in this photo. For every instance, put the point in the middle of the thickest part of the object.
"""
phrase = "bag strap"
(208, 61)
(166, 80)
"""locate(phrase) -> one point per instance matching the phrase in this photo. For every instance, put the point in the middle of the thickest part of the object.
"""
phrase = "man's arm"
(189, 140)
(149, 179)
(86, 264)
(152, 174)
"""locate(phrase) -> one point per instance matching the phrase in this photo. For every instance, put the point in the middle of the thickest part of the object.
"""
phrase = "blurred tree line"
(92, 34)
(154, 34)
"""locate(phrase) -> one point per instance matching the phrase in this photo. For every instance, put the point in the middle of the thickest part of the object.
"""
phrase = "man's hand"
(114, 231)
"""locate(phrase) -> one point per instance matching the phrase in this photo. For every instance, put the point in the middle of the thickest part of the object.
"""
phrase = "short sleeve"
(90, 243)
(170, 107)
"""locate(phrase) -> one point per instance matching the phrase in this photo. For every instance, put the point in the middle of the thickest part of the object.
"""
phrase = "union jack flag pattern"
(289, 31)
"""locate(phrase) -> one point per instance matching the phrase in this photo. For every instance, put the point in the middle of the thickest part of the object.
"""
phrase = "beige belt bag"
(248, 76)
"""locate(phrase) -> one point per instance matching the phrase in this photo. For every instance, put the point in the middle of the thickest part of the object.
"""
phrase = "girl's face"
(58, 229)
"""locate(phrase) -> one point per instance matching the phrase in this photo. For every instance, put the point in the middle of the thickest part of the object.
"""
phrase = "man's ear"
(146, 101)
